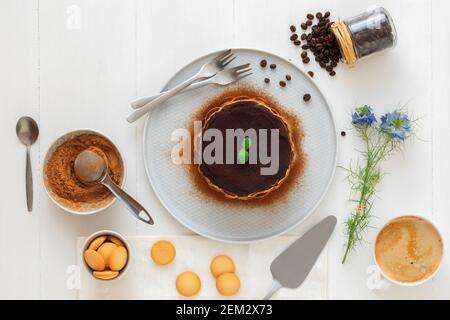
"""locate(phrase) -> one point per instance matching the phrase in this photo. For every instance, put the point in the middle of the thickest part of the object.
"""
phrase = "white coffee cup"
(415, 283)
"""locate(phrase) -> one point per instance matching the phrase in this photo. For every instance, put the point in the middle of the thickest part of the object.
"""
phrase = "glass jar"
(367, 33)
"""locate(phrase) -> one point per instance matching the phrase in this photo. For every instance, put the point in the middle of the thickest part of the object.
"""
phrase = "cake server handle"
(275, 287)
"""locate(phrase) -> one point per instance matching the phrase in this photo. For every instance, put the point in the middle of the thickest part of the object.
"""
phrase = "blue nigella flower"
(363, 117)
(396, 124)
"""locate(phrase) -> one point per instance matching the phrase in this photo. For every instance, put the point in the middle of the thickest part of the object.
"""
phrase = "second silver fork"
(208, 70)
(222, 78)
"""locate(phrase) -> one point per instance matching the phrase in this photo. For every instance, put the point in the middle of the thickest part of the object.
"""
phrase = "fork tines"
(243, 70)
(225, 58)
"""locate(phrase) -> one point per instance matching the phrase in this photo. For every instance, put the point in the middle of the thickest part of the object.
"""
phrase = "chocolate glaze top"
(244, 179)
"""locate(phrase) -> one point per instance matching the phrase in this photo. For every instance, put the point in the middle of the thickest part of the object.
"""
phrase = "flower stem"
(368, 182)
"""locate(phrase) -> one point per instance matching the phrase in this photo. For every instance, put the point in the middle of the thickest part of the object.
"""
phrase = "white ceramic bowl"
(88, 208)
(410, 284)
(107, 233)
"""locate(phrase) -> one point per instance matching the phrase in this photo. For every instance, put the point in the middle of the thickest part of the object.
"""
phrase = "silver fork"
(207, 70)
(222, 78)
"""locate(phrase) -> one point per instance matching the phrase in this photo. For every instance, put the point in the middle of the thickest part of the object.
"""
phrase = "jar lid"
(345, 41)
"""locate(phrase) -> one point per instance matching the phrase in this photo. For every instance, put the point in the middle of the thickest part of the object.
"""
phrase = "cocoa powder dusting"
(297, 167)
(60, 173)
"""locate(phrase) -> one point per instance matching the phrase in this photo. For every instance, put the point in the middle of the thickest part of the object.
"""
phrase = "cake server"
(27, 131)
(293, 265)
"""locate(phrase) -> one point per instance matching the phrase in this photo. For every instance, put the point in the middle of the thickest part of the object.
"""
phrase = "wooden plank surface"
(19, 95)
(87, 79)
(74, 64)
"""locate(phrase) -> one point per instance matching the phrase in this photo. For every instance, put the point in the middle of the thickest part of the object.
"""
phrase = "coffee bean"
(293, 28)
(294, 37)
(311, 74)
(263, 63)
(306, 97)
(273, 66)
(266, 80)
(332, 73)
(322, 42)
(297, 42)
(343, 133)
(288, 77)
(282, 84)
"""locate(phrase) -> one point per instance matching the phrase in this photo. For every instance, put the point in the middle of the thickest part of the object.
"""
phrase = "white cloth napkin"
(146, 280)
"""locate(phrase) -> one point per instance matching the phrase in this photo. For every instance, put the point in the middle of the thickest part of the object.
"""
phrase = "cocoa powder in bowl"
(60, 178)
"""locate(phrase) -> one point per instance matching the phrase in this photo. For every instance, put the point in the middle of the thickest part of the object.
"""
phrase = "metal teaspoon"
(92, 168)
(27, 131)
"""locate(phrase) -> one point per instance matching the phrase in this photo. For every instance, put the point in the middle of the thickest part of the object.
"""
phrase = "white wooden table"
(69, 73)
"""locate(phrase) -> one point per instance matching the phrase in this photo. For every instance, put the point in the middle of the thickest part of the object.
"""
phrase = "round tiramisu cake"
(247, 176)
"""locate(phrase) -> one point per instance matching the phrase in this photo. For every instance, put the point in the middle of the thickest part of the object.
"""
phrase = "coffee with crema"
(408, 249)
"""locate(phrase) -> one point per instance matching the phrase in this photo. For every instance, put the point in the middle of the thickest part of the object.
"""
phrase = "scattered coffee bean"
(266, 80)
(288, 77)
(282, 84)
(263, 63)
(311, 74)
(321, 42)
(273, 66)
(343, 133)
(293, 28)
(307, 97)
